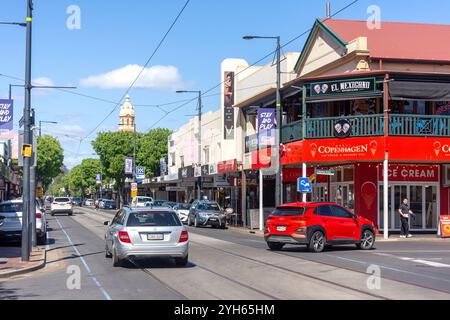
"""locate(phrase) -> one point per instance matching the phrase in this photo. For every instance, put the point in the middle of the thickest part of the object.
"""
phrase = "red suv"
(318, 225)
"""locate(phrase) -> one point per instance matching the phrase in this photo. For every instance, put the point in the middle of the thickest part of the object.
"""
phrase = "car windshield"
(209, 206)
(76, 199)
(184, 206)
(62, 200)
(289, 211)
(11, 207)
(153, 219)
(142, 200)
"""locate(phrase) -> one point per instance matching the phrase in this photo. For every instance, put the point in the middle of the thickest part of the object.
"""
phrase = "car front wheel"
(317, 242)
(367, 240)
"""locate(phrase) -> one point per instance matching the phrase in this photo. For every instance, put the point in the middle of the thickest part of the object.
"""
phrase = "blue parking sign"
(304, 186)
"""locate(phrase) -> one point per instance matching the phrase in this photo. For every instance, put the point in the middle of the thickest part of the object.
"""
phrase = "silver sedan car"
(146, 233)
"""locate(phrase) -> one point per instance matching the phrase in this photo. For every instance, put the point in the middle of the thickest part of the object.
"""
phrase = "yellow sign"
(134, 193)
(312, 178)
(27, 150)
(39, 192)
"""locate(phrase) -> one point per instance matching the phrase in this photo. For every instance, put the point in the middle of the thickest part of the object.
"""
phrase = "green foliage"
(83, 176)
(50, 157)
(114, 147)
(151, 148)
(60, 182)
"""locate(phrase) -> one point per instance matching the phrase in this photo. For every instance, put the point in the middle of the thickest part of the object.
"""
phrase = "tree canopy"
(50, 157)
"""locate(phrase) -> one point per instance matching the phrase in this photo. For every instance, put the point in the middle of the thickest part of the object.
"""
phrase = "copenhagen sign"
(364, 85)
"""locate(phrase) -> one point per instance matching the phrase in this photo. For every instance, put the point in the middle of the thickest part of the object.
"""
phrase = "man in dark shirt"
(405, 213)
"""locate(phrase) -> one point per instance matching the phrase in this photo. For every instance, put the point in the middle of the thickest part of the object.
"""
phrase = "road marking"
(86, 266)
(47, 246)
(431, 263)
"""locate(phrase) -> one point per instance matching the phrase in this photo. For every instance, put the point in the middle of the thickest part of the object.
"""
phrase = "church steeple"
(127, 116)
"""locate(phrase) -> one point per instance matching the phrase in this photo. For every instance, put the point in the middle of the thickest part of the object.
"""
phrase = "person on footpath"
(405, 213)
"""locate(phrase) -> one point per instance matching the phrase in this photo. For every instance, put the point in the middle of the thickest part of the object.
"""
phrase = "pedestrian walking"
(405, 213)
(96, 204)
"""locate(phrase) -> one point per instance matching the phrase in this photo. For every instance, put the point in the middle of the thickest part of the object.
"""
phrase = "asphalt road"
(225, 264)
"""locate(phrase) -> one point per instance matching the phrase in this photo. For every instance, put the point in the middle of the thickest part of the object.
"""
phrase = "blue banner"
(6, 114)
(266, 127)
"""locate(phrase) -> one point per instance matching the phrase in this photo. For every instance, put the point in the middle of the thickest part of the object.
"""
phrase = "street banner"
(6, 114)
(163, 168)
(266, 127)
(98, 178)
(445, 226)
(128, 166)
(228, 98)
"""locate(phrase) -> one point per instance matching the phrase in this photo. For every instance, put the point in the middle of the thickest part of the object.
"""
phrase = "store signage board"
(445, 226)
(337, 87)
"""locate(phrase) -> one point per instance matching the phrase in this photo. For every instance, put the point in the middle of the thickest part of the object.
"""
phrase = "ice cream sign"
(422, 173)
(6, 114)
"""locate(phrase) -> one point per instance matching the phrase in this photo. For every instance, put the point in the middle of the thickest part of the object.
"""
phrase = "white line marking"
(107, 296)
(432, 264)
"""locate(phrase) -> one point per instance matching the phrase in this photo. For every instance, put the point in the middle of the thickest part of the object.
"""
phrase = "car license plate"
(281, 229)
(155, 236)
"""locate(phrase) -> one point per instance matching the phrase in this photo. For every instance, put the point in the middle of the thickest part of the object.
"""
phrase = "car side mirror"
(106, 223)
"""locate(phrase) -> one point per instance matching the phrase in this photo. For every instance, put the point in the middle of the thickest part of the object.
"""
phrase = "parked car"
(204, 213)
(144, 233)
(317, 225)
(89, 202)
(140, 201)
(61, 205)
(182, 210)
(77, 201)
(11, 222)
(108, 204)
(169, 204)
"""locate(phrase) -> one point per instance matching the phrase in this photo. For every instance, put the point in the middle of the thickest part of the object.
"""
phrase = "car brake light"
(38, 215)
(184, 236)
(124, 237)
(270, 218)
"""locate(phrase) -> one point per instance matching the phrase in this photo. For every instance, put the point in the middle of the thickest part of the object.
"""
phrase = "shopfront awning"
(430, 91)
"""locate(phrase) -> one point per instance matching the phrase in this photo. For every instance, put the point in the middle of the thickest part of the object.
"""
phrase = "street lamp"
(278, 182)
(199, 158)
(43, 121)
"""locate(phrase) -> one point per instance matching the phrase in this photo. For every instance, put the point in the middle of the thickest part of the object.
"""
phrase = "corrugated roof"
(398, 40)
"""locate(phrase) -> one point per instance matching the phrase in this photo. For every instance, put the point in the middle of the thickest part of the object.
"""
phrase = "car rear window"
(184, 206)
(209, 206)
(62, 199)
(289, 211)
(153, 219)
(11, 207)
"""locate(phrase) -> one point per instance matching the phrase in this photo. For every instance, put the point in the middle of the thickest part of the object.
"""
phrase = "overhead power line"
(142, 69)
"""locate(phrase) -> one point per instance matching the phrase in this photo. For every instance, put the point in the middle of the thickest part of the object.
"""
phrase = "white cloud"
(154, 78)
(42, 81)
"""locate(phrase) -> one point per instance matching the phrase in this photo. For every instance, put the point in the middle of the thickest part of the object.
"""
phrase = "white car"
(182, 210)
(89, 202)
(11, 221)
(140, 201)
(62, 205)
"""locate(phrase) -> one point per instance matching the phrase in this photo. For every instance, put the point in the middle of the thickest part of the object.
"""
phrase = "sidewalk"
(11, 264)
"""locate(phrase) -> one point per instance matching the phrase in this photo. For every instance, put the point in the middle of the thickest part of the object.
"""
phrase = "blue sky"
(116, 34)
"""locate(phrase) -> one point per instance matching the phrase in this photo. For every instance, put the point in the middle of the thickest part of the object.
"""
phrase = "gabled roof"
(393, 41)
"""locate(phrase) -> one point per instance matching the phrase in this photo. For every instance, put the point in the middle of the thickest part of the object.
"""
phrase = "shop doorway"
(423, 201)
(343, 194)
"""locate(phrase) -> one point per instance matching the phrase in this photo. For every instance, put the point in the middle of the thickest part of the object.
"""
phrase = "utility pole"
(26, 216)
(199, 164)
(199, 142)
(134, 152)
(278, 109)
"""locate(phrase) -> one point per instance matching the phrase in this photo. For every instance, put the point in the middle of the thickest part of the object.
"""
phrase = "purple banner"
(266, 127)
(6, 114)
(129, 166)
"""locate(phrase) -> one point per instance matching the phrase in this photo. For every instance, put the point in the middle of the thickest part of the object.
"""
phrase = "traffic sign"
(304, 186)
(320, 172)
(39, 192)
(27, 150)
(134, 186)
(134, 193)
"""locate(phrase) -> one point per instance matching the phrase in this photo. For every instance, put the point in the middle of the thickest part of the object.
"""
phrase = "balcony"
(418, 125)
(370, 125)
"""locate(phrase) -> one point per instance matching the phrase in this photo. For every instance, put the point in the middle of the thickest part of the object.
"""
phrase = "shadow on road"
(154, 263)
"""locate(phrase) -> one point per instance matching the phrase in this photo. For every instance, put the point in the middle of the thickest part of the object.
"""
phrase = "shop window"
(348, 174)
(318, 110)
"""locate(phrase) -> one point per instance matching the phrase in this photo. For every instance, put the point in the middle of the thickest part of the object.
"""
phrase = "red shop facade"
(418, 170)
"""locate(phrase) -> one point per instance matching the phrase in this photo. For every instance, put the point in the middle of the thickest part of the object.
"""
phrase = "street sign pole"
(25, 251)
